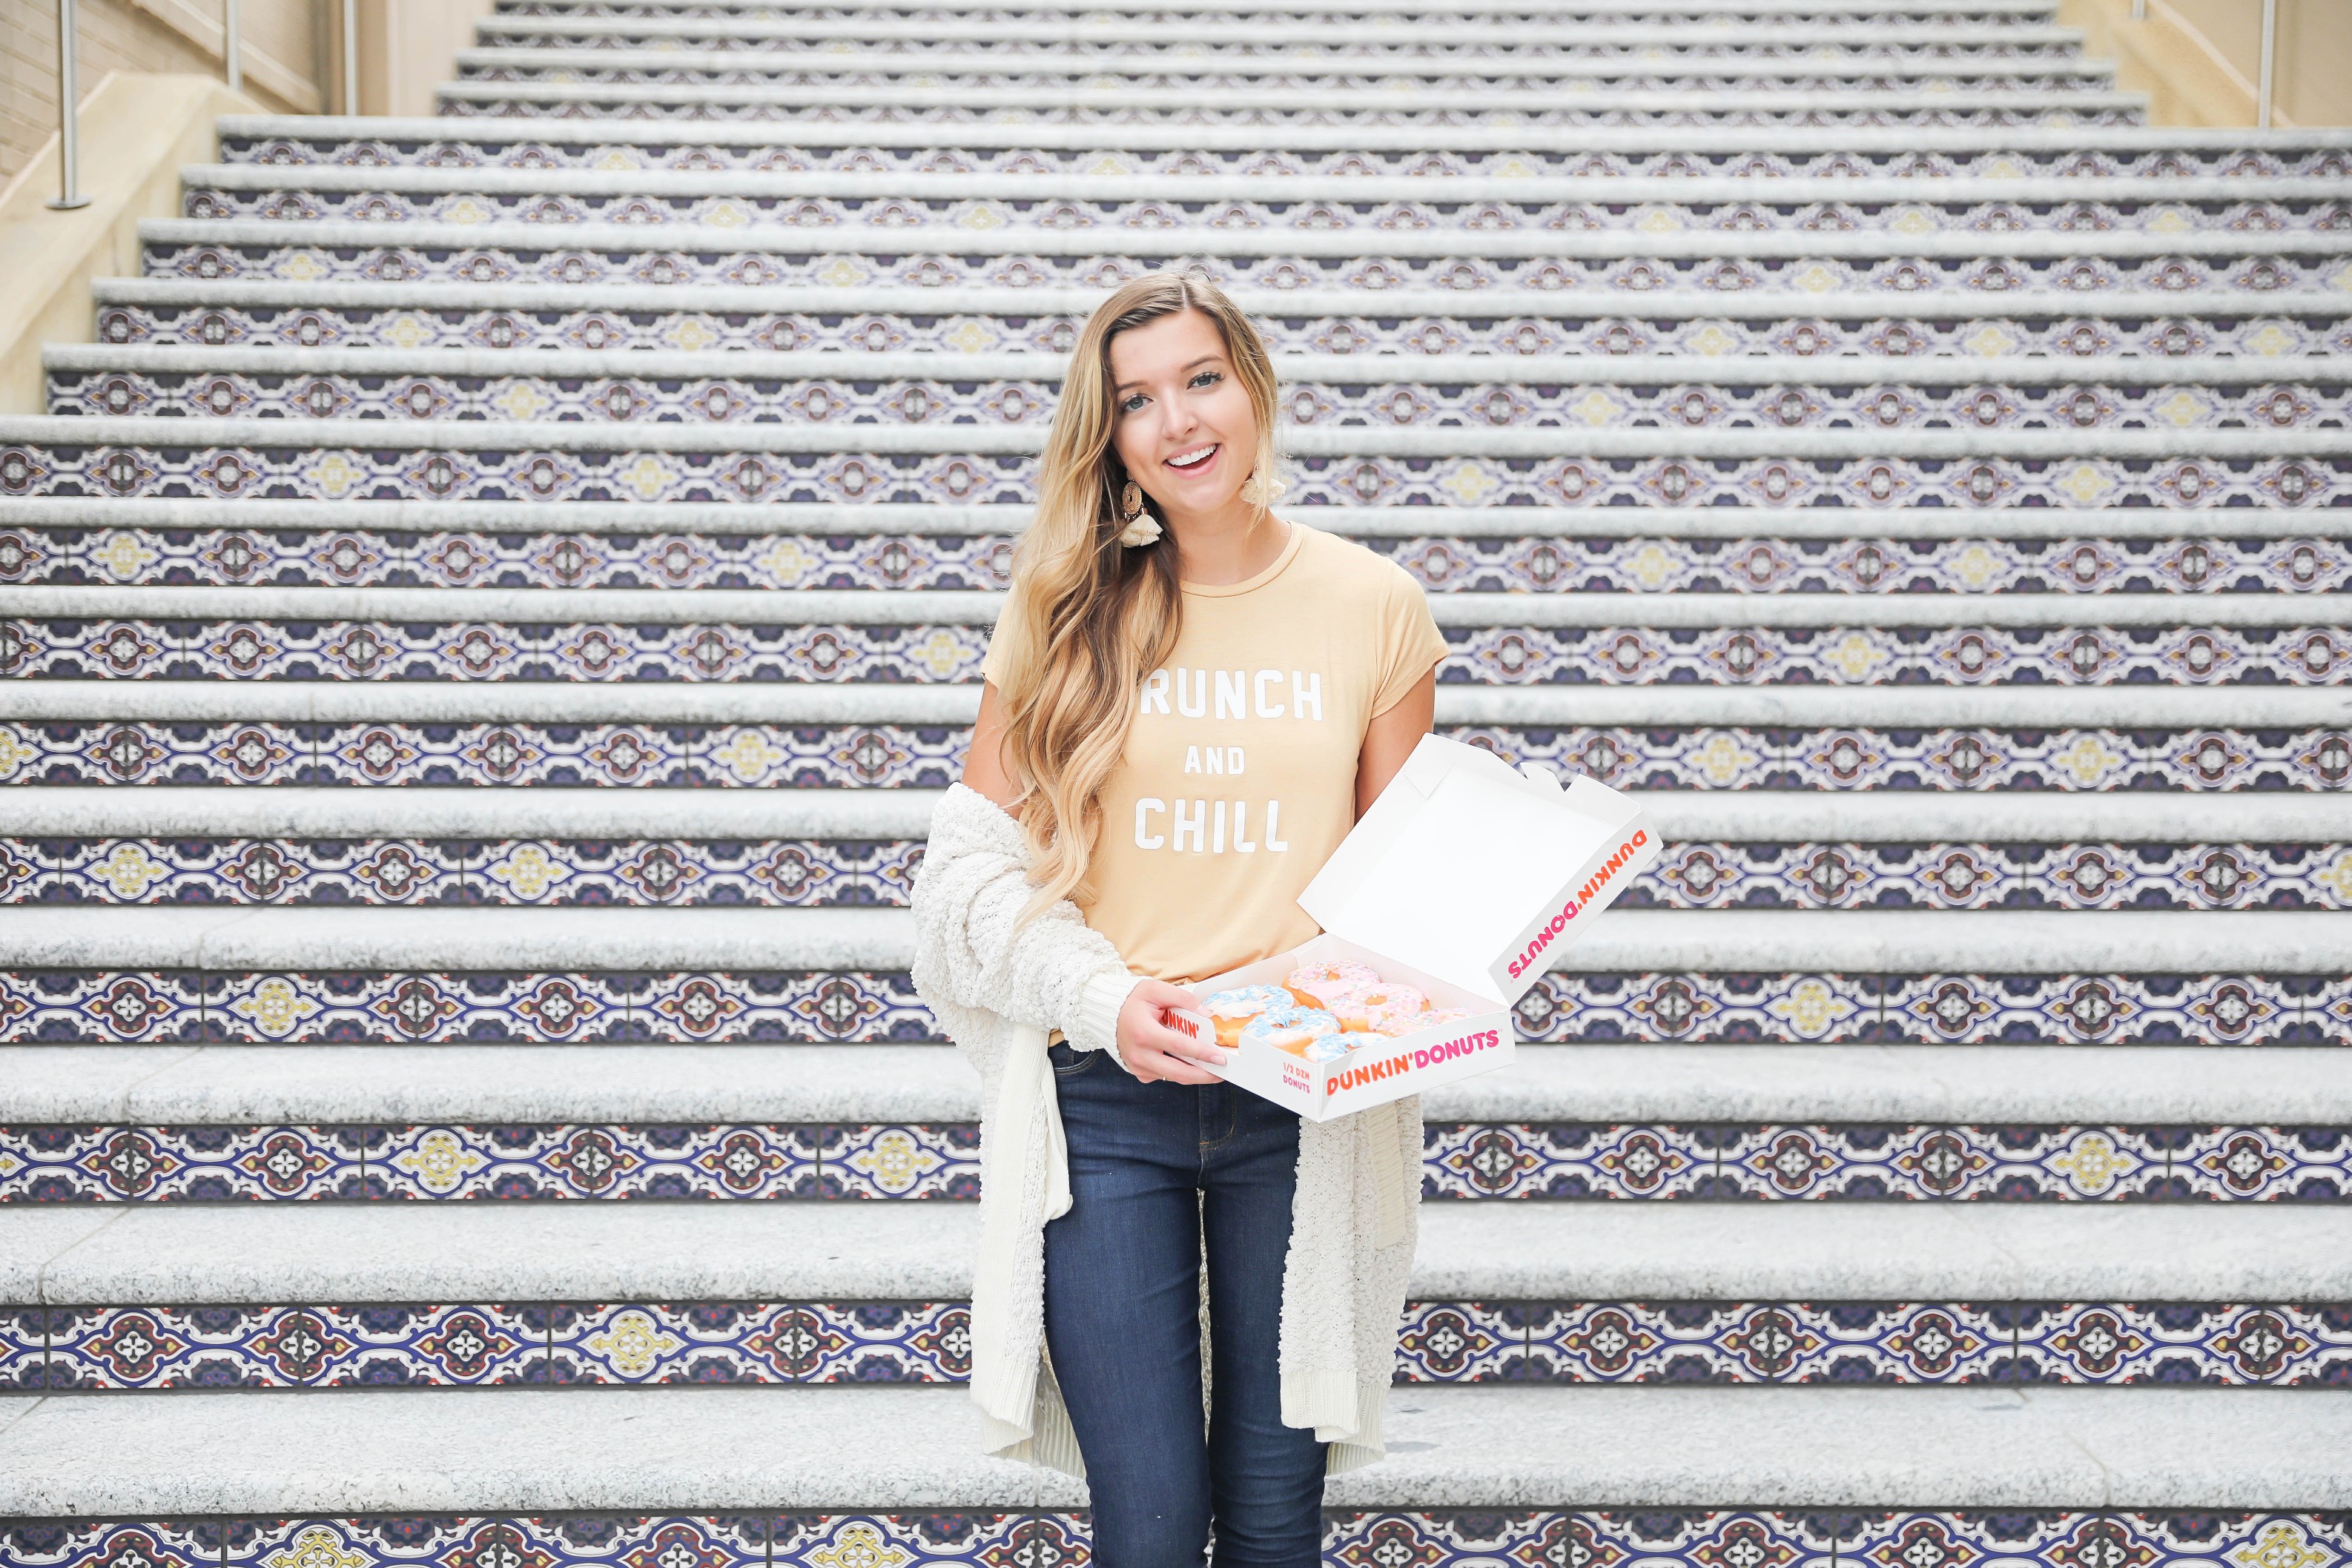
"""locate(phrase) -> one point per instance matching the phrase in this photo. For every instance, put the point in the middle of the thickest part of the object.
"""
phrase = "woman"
(1189, 702)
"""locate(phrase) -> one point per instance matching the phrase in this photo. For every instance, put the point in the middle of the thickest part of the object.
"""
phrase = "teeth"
(1187, 459)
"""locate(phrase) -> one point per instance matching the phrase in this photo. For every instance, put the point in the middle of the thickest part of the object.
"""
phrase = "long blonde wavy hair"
(1089, 618)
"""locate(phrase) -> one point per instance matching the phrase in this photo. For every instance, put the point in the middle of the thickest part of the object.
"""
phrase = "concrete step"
(863, 607)
(322, 1296)
(180, 1254)
(99, 539)
(482, 734)
(1938, 103)
(1015, 204)
(280, 140)
(1377, 13)
(329, 939)
(704, 1146)
(456, 1450)
(1975, 319)
(48, 438)
(2124, 707)
(471, 635)
(843, 254)
(343, 556)
(1768, 817)
(1210, 39)
(686, 1086)
(641, 385)
(105, 1005)
(91, 540)
(1322, 374)
(845, 847)
(1896, 66)
(1662, 526)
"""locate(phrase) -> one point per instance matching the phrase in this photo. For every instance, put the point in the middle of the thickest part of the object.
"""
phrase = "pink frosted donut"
(1394, 1024)
(1362, 1007)
(1320, 985)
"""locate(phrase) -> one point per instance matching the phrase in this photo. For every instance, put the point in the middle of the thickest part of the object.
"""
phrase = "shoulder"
(1347, 568)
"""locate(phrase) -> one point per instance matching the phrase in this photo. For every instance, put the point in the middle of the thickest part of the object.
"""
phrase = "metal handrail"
(2270, 63)
(232, 47)
(350, 56)
(69, 195)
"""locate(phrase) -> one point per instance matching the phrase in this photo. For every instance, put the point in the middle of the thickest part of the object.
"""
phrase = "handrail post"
(350, 56)
(2139, 10)
(2270, 63)
(69, 195)
(232, 47)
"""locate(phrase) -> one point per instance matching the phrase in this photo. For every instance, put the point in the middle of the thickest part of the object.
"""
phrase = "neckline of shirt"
(1230, 590)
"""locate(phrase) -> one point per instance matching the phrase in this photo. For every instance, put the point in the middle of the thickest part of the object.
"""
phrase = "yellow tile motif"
(317, 1547)
(633, 1344)
(2092, 1162)
(439, 1160)
(2282, 1544)
(275, 1007)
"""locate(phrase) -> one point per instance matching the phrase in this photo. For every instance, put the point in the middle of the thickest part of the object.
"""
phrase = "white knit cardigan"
(998, 986)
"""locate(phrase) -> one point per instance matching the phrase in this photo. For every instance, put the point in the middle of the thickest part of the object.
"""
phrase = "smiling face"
(1182, 420)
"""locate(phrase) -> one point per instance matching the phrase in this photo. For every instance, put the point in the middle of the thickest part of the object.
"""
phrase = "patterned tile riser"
(1920, 1164)
(1477, 1161)
(894, 217)
(1614, 283)
(2193, 563)
(1988, 116)
(102, 1349)
(394, 1164)
(802, 873)
(124, 1008)
(2066, 330)
(105, 1349)
(1689, 1538)
(1693, 405)
(1495, 656)
(889, 756)
(487, 152)
(62, 468)
(1367, 77)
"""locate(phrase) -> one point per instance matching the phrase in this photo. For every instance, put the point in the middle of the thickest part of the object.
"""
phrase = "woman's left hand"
(1151, 1049)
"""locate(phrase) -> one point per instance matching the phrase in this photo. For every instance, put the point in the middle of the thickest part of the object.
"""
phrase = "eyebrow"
(1196, 364)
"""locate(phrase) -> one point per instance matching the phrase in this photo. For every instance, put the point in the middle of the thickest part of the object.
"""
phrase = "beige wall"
(408, 48)
(2200, 62)
(2314, 72)
(154, 36)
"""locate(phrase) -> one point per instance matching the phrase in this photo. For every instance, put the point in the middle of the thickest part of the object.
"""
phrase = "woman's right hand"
(1152, 1049)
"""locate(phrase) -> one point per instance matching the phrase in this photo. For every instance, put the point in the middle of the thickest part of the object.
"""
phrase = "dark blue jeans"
(1152, 1167)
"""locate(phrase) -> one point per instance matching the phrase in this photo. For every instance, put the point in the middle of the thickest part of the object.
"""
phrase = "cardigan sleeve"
(973, 951)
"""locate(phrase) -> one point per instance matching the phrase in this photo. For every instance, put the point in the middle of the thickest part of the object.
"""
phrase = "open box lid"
(1462, 858)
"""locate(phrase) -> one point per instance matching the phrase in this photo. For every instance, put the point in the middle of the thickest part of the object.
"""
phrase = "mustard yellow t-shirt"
(1240, 774)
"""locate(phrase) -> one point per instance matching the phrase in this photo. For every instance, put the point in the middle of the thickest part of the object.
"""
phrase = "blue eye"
(1208, 378)
(1131, 403)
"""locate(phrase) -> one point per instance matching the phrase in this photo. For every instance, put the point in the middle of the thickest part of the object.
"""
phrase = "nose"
(1176, 421)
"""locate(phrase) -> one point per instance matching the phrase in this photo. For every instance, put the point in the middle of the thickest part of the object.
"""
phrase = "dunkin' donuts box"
(1464, 878)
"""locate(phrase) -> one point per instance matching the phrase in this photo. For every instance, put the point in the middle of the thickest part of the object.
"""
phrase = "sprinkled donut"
(1394, 1024)
(1320, 985)
(1361, 1008)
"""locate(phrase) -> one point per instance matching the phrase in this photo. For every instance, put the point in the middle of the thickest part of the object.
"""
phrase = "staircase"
(1842, 421)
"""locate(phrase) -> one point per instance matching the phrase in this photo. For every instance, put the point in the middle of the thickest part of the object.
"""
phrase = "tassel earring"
(1140, 527)
(1261, 488)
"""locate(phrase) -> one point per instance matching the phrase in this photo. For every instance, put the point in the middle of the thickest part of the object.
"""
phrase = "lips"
(1186, 462)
